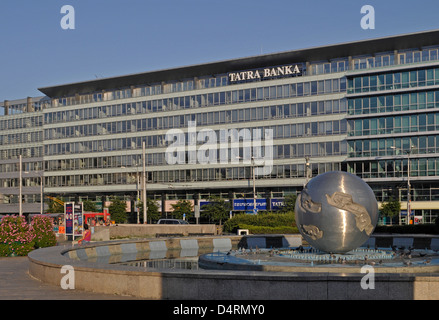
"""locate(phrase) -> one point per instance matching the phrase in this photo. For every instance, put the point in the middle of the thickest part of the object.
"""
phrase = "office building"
(366, 107)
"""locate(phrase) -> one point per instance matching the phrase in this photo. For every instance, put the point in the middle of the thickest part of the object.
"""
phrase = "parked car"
(172, 221)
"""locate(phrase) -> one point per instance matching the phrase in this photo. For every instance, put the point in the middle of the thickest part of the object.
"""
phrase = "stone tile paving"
(17, 284)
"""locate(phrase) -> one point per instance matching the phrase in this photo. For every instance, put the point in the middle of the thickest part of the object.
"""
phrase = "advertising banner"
(78, 220)
(68, 218)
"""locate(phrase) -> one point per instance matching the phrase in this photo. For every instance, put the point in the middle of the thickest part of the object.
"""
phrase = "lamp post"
(145, 206)
(20, 184)
(255, 210)
(41, 193)
(306, 170)
(254, 183)
(409, 151)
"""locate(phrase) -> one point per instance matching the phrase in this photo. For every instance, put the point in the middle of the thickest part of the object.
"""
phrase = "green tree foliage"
(90, 206)
(153, 210)
(390, 208)
(217, 210)
(42, 227)
(182, 207)
(289, 203)
(117, 210)
(55, 207)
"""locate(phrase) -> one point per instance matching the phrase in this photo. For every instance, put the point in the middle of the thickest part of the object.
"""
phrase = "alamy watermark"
(251, 146)
(68, 281)
(68, 20)
(368, 20)
(368, 281)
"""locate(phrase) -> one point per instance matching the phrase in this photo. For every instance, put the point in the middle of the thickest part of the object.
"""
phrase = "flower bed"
(18, 238)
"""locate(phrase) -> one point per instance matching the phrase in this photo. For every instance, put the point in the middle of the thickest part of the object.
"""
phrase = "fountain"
(336, 214)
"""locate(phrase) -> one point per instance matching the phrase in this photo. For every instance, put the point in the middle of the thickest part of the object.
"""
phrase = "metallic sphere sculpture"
(336, 212)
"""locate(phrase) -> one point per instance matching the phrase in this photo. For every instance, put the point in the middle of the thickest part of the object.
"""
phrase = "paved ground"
(17, 284)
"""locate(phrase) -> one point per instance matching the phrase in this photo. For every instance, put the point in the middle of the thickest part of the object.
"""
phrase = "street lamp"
(145, 206)
(408, 180)
(306, 170)
(20, 184)
(254, 183)
(254, 186)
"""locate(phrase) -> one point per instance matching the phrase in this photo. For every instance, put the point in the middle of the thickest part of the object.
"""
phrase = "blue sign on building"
(202, 203)
(277, 204)
(248, 204)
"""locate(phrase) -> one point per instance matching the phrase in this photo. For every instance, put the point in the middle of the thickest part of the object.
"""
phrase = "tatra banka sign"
(266, 73)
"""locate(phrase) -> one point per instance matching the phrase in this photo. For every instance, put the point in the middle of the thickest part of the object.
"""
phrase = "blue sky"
(117, 37)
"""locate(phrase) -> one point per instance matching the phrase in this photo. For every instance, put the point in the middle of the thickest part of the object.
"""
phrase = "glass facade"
(392, 120)
(21, 133)
(112, 129)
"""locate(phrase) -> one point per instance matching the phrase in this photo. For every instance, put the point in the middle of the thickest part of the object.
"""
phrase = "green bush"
(269, 230)
(18, 238)
(262, 223)
(42, 227)
(427, 228)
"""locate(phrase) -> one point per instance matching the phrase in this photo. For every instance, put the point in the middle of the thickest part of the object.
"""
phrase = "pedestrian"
(87, 236)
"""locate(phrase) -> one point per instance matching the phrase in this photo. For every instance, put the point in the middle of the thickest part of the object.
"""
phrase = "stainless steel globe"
(336, 212)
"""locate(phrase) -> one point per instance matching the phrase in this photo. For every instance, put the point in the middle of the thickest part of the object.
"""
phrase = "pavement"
(17, 284)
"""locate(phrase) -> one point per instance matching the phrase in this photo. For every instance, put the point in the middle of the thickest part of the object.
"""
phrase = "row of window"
(21, 138)
(288, 151)
(419, 191)
(15, 182)
(142, 91)
(202, 119)
(391, 103)
(394, 146)
(396, 168)
(201, 100)
(330, 67)
(189, 175)
(27, 152)
(383, 60)
(13, 199)
(337, 65)
(394, 124)
(322, 128)
(14, 167)
(374, 62)
(32, 121)
(392, 81)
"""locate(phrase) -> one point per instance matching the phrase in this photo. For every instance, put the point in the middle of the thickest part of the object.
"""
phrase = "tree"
(390, 208)
(153, 210)
(182, 207)
(289, 203)
(118, 210)
(55, 207)
(217, 210)
(90, 206)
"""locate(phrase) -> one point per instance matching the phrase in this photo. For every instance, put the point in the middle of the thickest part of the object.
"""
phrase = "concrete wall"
(151, 230)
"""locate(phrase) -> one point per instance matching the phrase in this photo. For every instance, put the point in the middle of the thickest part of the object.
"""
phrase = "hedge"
(269, 230)
(262, 223)
(429, 228)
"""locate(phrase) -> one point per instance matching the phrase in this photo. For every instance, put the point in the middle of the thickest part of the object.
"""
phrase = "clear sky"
(118, 37)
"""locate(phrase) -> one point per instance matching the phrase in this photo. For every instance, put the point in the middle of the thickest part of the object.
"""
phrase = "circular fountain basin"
(107, 267)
